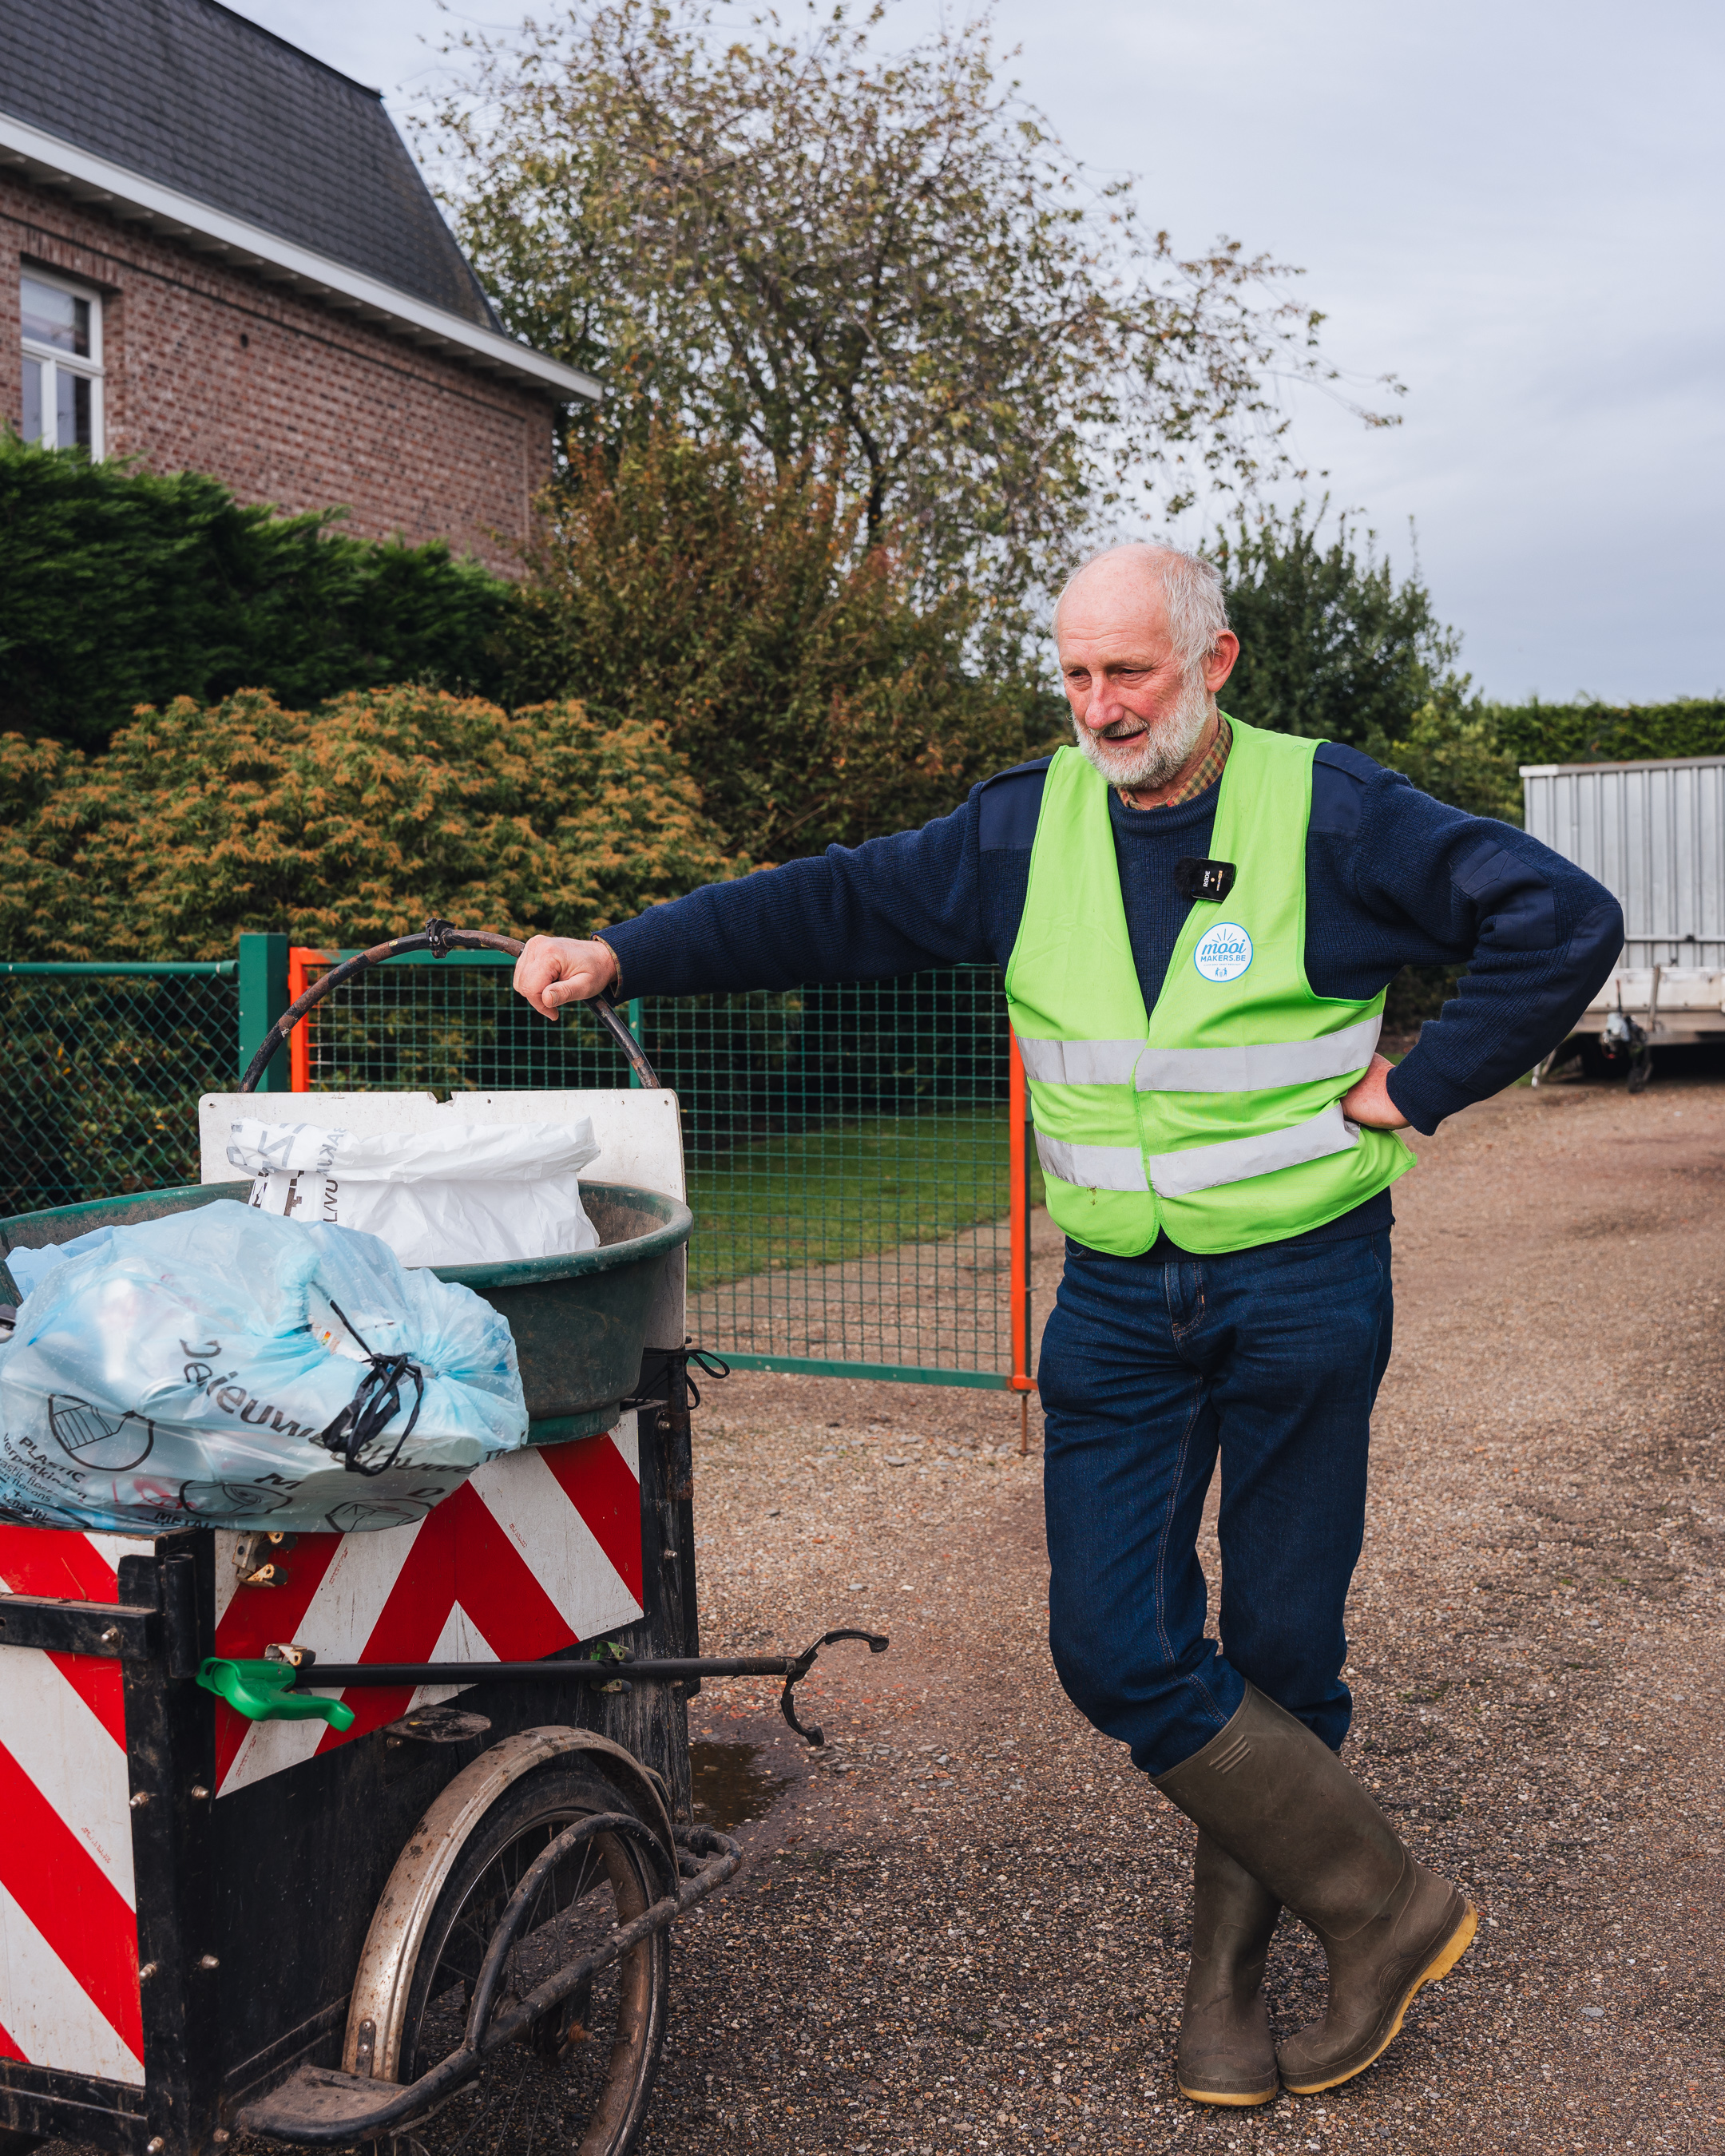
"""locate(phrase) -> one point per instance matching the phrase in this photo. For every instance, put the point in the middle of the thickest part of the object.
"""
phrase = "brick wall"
(286, 399)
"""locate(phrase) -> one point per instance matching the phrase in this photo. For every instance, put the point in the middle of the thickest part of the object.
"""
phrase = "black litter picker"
(304, 1828)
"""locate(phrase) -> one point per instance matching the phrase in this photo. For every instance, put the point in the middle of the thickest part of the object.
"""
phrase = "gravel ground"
(963, 1922)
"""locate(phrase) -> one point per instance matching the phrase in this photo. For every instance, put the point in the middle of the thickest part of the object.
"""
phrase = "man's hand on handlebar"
(555, 970)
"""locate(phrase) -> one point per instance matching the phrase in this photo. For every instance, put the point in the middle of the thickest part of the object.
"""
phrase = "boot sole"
(1237, 2102)
(1445, 1959)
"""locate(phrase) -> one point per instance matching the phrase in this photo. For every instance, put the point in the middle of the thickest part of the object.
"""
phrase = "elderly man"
(1197, 920)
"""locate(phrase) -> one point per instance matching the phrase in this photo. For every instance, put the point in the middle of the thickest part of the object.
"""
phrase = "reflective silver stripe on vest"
(1093, 1168)
(1234, 1160)
(1255, 1069)
(1081, 1062)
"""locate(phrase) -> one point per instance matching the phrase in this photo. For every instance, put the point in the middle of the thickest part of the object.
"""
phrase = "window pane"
(32, 400)
(51, 316)
(72, 399)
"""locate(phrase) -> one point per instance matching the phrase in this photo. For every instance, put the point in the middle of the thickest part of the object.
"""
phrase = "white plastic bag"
(459, 1194)
(196, 1371)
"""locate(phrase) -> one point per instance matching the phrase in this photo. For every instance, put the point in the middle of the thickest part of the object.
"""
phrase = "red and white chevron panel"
(536, 1552)
(68, 1934)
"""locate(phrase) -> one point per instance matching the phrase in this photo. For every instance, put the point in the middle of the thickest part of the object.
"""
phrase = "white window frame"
(52, 358)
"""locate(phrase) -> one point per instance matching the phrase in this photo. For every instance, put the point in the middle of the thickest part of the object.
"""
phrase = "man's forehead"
(1099, 636)
(1115, 609)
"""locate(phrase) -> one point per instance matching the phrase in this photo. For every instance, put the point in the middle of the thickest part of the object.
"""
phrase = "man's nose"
(1104, 706)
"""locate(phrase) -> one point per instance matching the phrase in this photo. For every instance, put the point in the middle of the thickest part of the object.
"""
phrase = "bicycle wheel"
(584, 2071)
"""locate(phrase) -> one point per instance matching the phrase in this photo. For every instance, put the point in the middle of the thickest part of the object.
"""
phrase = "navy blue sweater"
(1393, 879)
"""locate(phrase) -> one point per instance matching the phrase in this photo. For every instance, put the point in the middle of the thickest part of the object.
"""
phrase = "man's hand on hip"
(1368, 1102)
(555, 970)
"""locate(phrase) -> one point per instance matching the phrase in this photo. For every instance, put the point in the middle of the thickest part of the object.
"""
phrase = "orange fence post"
(1019, 1189)
(300, 1040)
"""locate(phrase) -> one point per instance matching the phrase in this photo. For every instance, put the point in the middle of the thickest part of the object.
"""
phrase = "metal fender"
(399, 1924)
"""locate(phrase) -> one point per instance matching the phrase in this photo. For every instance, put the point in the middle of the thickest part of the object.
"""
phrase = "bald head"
(1144, 645)
(1155, 588)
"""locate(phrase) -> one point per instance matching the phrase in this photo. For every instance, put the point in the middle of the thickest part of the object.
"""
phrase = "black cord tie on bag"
(372, 1408)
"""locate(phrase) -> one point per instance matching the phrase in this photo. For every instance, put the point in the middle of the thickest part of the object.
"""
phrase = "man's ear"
(1220, 663)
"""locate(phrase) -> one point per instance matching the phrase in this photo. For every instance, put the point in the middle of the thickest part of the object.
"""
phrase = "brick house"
(216, 253)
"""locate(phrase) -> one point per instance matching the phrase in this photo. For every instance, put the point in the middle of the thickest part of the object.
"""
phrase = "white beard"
(1156, 758)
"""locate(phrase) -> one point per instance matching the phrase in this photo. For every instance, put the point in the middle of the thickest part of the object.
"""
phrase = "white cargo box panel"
(1654, 834)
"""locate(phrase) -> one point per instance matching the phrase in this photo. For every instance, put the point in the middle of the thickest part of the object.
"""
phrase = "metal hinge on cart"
(258, 1558)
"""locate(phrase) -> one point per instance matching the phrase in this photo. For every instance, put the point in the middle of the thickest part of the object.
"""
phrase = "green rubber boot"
(1281, 1803)
(1224, 2055)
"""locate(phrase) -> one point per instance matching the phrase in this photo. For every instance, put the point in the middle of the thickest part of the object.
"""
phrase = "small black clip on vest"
(1210, 879)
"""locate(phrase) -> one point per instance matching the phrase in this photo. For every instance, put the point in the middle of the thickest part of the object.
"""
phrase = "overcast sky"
(1514, 206)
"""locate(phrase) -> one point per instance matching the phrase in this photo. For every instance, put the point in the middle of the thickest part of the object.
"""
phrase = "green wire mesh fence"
(103, 1066)
(848, 1147)
(848, 1159)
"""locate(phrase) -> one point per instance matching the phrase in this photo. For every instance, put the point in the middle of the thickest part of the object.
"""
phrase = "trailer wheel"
(590, 2063)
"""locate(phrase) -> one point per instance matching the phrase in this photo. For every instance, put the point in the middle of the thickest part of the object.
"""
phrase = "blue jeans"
(1270, 1358)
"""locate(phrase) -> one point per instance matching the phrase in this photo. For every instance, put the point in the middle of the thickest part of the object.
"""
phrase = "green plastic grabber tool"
(263, 1692)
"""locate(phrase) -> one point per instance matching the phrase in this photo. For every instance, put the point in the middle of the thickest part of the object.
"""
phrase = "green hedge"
(1610, 733)
(119, 588)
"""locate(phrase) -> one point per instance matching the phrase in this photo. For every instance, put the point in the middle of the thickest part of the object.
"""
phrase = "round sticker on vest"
(1224, 951)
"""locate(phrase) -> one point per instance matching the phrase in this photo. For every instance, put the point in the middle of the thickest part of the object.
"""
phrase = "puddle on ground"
(728, 1787)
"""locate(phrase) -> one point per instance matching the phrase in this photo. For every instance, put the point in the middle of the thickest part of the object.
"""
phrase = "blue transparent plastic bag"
(227, 1367)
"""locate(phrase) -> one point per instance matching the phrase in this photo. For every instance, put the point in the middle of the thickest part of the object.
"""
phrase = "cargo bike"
(306, 1836)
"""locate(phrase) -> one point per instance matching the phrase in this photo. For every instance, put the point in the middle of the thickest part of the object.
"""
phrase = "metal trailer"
(259, 1873)
(1654, 834)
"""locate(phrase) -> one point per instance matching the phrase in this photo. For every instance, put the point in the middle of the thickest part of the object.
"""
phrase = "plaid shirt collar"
(1207, 774)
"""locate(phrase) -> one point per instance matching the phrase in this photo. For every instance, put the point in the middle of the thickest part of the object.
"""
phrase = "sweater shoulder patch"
(1515, 904)
(1339, 778)
(1008, 806)
(1337, 756)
